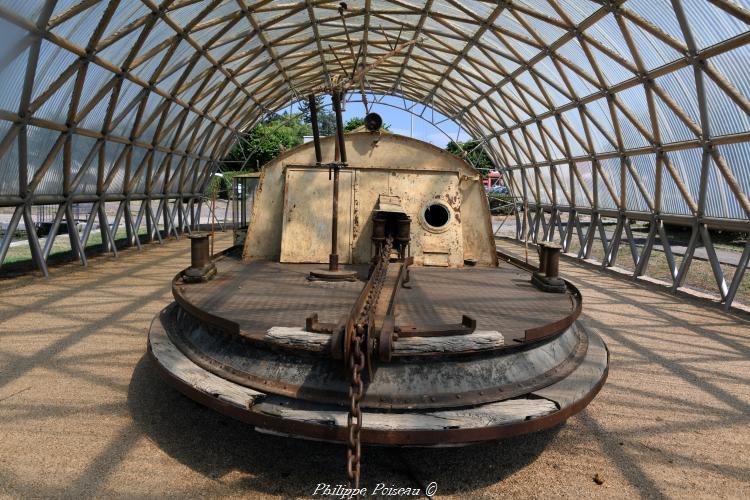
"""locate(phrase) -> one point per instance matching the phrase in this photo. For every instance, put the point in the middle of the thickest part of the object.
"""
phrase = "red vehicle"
(493, 180)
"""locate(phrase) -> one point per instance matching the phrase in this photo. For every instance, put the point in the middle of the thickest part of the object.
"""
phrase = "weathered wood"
(492, 414)
(475, 341)
(320, 342)
(576, 385)
(184, 370)
(297, 337)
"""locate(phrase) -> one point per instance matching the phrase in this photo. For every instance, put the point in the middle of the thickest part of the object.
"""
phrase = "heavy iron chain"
(354, 419)
(357, 364)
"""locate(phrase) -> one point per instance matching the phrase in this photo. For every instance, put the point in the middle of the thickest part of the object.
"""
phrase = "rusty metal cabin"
(440, 193)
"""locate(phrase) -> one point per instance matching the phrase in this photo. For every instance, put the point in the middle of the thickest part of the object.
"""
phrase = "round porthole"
(436, 216)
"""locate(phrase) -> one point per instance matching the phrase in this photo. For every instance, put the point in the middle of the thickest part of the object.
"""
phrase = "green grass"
(20, 256)
(699, 277)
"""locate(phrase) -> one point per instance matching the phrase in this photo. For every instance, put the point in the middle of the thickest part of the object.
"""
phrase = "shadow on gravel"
(215, 445)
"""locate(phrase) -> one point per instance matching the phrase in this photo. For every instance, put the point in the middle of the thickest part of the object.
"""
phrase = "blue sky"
(400, 121)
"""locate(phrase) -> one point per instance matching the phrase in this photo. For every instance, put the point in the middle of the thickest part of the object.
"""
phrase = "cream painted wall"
(415, 171)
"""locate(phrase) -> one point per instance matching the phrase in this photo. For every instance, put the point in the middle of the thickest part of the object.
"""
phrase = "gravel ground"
(83, 414)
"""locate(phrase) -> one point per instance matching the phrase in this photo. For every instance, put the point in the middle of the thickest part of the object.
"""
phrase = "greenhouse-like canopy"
(632, 109)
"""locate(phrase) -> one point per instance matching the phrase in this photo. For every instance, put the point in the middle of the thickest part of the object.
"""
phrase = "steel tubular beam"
(714, 261)
(53, 232)
(36, 250)
(737, 278)
(75, 239)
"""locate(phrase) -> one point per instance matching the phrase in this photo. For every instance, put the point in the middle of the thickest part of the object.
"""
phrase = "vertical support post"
(333, 260)
(128, 220)
(192, 208)
(315, 129)
(149, 229)
(165, 217)
(180, 221)
(197, 217)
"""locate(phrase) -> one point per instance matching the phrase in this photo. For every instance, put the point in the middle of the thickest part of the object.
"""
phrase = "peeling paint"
(414, 171)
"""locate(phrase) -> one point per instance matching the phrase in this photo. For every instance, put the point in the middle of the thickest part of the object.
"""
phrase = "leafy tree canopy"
(357, 122)
(265, 141)
(473, 154)
(354, 123)
(326, 117)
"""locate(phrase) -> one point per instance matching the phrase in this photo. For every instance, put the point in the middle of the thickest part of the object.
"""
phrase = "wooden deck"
(261, 295)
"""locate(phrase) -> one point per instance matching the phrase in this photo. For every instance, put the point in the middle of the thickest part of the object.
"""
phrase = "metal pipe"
(333, 259)
(339, 125)
(315, 130)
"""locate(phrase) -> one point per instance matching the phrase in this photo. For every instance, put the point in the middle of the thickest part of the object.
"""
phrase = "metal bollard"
(201, 267)
(552, 261)
(547, 277)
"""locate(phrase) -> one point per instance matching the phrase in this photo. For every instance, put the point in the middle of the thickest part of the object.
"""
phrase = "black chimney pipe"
(315, 130)
(339, 124)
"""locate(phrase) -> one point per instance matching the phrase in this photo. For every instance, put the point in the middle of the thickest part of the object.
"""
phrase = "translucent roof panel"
(646, 96)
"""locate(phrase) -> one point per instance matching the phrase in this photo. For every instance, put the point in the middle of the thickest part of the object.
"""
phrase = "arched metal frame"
(407, 107)
(625, 109)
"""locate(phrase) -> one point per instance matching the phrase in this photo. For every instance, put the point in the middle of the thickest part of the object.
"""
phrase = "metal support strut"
(333, 273)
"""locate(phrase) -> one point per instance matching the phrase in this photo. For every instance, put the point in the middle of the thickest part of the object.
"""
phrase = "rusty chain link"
(354, 419)
(356, 364)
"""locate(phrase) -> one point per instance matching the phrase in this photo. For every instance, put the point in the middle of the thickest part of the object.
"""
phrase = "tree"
(354, 123)
(265, 141)
(473, 153)
(357, 122)
(326, 117)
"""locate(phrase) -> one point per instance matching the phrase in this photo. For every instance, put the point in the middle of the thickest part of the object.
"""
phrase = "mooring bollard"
(547, 277)
(552, 262)
(201, 267)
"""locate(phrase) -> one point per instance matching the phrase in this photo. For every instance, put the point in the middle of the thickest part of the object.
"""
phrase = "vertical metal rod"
(235, 203)
(149, 229)
(315, 130)
(333, 259)
(165, 218)
(213, 211)
(128, 224)
(339, 125)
